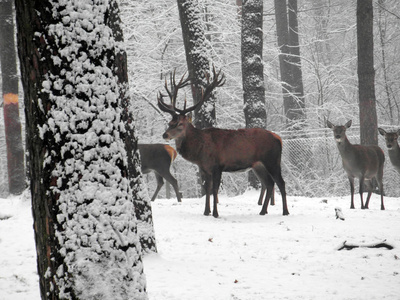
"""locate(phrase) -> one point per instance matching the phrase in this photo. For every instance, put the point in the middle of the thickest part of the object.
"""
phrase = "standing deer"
(221, 150)
(158, 158)
(362, 162)
(393, 147)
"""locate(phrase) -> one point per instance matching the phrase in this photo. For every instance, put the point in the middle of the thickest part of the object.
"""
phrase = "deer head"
(180, 117)
(339, 132)
(390, 138)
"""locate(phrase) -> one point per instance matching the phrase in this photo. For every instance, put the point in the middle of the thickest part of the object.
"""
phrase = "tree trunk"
(12, 124)
(291, 76)
(197, 59)
(198, 64)
(297, 83)
(366, 73)
(142, 205)
(253, 69)
(82, 202)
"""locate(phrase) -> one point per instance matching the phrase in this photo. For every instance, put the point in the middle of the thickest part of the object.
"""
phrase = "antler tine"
(163, 106)
(218, 80)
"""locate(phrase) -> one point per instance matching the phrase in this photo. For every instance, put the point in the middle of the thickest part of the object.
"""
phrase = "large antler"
(172, 93)
(218, 80)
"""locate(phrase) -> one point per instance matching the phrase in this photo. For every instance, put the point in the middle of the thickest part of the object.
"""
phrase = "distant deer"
(221, 150)
(158, 158)
(362, 162)
(393, 147)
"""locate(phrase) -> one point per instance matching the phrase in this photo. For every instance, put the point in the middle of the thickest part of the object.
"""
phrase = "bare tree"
(81, 186)
(15, 150)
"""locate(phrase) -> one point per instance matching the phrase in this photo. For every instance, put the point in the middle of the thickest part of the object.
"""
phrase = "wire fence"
(311, 167)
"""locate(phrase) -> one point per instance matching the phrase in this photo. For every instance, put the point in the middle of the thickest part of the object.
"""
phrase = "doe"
(221, 150)
(362, 162)
(158, 158)
(393, 147)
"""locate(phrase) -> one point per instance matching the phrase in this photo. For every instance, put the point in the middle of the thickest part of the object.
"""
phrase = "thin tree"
(289, 62)
(12, 124)
(366, 73)
(82, 200)
(291, 76)
(253, 68)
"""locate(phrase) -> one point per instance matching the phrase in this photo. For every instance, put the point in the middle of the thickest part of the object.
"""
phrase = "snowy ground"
(241, 255)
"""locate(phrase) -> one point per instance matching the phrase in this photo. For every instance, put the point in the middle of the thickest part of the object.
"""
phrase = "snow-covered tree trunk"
(197, 59)
(253, 68)
(12, 124)
(82, 198)
(142, 200)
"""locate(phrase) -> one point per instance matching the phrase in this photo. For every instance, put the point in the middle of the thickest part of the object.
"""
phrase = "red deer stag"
(362, 162)
(393, 147)
(158, 158)
(221, 150)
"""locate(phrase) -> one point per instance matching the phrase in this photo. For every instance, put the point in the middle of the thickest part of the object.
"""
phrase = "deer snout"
(166, 136)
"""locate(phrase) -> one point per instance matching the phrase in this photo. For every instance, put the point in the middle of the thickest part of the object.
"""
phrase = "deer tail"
(171, 152)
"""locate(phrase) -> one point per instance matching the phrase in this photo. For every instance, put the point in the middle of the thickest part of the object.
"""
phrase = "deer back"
(231, 150)
(153, 154)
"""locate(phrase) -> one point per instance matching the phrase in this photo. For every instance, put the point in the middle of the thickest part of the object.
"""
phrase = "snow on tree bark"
(197, 59)
(252, 64)
(142, 200)
(82, 198)
(253, 69)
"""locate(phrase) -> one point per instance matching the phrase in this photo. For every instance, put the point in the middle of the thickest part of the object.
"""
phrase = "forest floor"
(241, 255)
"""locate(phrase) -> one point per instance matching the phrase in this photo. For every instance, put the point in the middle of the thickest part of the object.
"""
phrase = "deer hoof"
(263, 213)
(285, 213)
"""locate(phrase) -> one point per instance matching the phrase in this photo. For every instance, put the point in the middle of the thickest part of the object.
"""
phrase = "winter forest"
(84, 92)
(328, 50)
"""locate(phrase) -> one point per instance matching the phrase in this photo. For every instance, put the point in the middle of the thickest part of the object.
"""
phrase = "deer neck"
(394, 154)
(190, 144)
(345, 147)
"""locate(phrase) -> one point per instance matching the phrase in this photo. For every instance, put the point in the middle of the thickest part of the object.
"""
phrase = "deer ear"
(348, 124)
(329, 124)
(381, 131)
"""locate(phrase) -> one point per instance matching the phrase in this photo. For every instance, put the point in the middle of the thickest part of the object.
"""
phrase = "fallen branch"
(382, 244)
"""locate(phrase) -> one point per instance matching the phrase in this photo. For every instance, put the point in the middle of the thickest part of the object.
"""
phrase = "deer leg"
(217, 173)
(361, 191)
(276, 175)
(269, 183)
(207, 186)
(262, 193)
(273, 196)
(370, 188)
(171, 179)
(379, 179)
(160, 183)
(281, 185)
(262, 173)
(351, 180)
